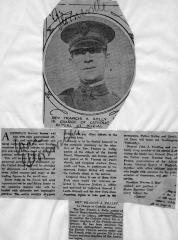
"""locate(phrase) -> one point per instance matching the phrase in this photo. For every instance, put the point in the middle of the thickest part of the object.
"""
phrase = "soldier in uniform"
(88, 50)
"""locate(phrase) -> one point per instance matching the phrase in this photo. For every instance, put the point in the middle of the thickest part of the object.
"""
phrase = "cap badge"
(83, 28)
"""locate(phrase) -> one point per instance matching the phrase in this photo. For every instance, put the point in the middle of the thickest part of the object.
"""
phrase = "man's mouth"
(88, 68)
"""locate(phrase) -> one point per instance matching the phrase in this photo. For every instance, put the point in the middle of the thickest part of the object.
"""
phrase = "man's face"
(90, 63)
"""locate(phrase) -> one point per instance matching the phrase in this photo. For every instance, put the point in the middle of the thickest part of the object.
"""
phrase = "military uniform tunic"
(87, 98)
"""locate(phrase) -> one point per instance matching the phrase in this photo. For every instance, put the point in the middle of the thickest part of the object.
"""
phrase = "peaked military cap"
(86, 33)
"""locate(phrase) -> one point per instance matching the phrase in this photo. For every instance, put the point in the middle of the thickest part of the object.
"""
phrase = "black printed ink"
(22, 149)
(29, 157)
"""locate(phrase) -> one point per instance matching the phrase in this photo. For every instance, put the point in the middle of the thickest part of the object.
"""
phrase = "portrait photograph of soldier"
(89, 65)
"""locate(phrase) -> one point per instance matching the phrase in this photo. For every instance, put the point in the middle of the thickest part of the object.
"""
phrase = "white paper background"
(152, 105)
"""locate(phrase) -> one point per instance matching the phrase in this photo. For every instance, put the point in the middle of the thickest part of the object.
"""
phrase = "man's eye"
(78, 52)
(85, 50)
(95, 50)
(92, 50)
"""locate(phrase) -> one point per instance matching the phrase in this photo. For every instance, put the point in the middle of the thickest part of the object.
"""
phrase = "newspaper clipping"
(96, 170)
(88, 64)
(95, 220)
(97, 164)
(150, 168)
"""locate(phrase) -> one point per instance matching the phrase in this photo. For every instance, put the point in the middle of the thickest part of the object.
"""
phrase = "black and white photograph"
(90, 64)
(89, 120)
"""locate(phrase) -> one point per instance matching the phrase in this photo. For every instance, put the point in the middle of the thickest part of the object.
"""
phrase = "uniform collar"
(95, 89)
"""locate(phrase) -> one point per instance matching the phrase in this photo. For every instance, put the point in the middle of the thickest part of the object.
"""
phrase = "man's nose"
(88, 57)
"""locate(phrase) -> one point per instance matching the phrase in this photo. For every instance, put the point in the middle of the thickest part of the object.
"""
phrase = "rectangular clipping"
(72, 164)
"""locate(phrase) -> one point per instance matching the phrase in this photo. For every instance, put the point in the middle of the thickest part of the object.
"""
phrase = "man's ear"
(71, 62)
(107, 59)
